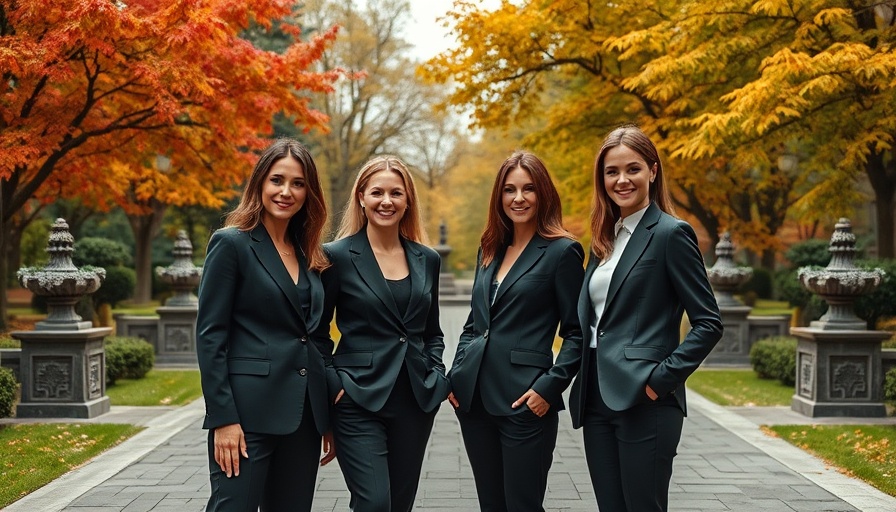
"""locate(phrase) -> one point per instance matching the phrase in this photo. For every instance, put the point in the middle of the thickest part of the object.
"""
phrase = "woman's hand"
(536, 404)
(452, 400)
(329, 448)
(230, 443)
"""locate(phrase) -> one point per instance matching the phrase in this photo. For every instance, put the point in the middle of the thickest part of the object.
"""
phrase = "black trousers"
(630, 452)
(510, 456)
(279, 475)
(381, 453)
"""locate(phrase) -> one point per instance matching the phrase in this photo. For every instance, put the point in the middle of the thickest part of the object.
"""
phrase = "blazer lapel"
(264, 250)
(417, 266)
(369, 271)
(633, 251)
(317, 294)
(586, 311)
(531, 254)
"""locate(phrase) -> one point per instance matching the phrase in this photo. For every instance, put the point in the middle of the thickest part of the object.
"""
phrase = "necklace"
(284, 253)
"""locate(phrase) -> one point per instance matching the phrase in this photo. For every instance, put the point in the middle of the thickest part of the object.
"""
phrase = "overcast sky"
(425, 33)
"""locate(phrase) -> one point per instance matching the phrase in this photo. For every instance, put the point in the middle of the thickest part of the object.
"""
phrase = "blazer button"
(303, 372)
(600, 334)
(304, 339)
(485, 334)
(403, 339)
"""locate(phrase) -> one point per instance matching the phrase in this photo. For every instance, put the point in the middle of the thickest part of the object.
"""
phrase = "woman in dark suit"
(389, 378)
(506, 386)
(644, 272)
(263, 376)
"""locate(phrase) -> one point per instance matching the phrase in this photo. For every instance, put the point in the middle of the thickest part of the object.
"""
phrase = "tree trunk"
(145, 228)
(882, 177)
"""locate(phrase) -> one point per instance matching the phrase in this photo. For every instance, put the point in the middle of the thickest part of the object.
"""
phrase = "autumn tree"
(575, 65)
(380, 102)
(94, 90)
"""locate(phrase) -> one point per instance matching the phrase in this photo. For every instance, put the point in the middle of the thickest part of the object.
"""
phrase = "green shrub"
(760, 283)
(118, 286)
(8, 342)
(881, 302)
(808, 253)
(775, 358)
(890, 385)
(127, 358)
(8, 388)
(100, 252)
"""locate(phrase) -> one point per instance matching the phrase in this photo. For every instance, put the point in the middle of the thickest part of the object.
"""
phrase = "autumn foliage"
(92, 90)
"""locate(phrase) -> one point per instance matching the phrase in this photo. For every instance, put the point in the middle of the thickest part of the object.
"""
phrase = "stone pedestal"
(838, 373)
(769, 326)
(63, 373)
(138, 326)
(176, 343)
(734, 347)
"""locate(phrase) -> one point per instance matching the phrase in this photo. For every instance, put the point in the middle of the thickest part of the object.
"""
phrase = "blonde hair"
(353, 218)
(305, 227)
(605, 212)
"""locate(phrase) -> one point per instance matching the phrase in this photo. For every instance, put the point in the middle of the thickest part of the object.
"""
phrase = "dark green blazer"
(375, 337)
(256, 358)
(660, 276)
(506, 346)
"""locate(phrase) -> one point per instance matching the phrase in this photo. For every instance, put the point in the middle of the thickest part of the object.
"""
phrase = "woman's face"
(627, 179)
(385, 199)
(518, 197)
(283, 193)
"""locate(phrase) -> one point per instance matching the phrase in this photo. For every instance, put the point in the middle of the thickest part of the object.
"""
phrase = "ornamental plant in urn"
(61, 282)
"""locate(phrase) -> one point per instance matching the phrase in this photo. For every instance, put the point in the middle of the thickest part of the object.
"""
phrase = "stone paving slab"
(724, 463)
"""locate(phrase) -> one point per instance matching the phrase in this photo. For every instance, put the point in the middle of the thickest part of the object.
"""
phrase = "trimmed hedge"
(8, 388)
(127, 358)
(775, 358)
(890, 385)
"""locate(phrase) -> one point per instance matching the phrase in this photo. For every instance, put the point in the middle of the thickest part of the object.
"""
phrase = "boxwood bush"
(890, 385)
(127, 358)
(775, 358)
(8, 389)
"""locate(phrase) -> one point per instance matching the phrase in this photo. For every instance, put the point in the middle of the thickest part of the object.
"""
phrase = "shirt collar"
(631, 222)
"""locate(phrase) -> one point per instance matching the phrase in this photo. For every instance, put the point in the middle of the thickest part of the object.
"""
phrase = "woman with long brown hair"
(263, 375)
(644, 273)
(506, 386)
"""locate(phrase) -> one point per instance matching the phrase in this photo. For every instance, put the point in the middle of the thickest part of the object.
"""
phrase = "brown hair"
(305, 227)
(605, 212)
(548, 215)
(353, 218)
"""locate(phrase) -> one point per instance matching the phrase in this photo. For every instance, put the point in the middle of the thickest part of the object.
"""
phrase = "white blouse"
(599, 284)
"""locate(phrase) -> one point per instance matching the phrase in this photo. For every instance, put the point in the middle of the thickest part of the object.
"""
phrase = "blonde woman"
(389, 377)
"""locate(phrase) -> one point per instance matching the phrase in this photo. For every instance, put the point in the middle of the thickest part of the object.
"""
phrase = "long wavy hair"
(605, 212)
(306, 227)
(353, 219)
(498, 231)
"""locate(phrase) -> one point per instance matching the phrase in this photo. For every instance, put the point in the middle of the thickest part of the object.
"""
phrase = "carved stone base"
(734, 347)
(86, 410)
(63, 373)
(176, 344)
(138, 326)
(838, 373)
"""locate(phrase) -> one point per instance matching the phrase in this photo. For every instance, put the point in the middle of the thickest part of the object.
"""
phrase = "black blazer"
(660, 275)
(256, 358)
(376, 338)
(506, 346)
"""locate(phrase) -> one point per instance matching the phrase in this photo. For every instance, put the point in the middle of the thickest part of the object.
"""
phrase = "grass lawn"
(869, 451)
(159, 387)
(35, 454)
(739, 387)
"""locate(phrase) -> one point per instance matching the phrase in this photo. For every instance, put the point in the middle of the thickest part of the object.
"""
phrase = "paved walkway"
(725, 463)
